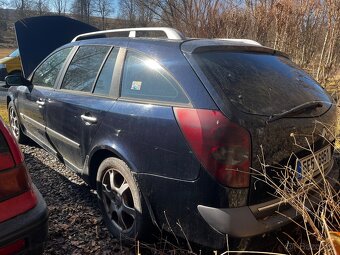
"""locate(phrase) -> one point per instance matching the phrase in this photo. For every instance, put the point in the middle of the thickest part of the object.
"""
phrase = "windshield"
(259, 83)
(14, 53)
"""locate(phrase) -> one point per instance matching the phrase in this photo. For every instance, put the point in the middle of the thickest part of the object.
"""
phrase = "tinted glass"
(84, 67)
(14, 53)
(103, 83)
(47, 73)
(144, 78)
(259, 83)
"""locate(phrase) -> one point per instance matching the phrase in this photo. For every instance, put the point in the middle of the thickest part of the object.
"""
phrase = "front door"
(32, 100)
(76, 110)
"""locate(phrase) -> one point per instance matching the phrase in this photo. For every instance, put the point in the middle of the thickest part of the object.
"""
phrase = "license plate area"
(310, 166)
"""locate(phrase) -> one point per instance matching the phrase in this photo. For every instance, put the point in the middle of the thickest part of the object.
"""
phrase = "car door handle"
(88, 119)
(40, 102)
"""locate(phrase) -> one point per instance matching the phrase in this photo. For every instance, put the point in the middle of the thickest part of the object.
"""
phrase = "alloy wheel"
(118, 200)
(14, 122)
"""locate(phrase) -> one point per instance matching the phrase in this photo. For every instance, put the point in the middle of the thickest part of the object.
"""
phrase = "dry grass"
(316, 200)
(5, 51)
(3, 113)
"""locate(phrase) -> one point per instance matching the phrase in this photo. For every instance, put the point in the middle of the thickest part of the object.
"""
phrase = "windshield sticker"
(136, 85)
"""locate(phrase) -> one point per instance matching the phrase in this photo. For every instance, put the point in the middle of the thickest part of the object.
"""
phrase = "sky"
(10, 4)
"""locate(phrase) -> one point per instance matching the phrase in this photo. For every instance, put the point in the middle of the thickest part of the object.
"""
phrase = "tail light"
(16, 194)
(221, 146)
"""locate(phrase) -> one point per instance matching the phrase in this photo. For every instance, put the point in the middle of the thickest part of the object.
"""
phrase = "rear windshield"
(259, 83)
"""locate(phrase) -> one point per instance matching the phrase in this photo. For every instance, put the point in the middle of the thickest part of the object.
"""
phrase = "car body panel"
(33, 115)
(275, 143)
(37, 37)
(151, 130)
(31, 226)
(12, 64)
(68, 133)
(24, 214)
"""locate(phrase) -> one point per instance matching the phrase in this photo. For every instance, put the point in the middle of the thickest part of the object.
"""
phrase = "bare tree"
(2, 3)
(137, 13)
(23, 7)
(308, 30)
(128, 11)
(104, 8)
(41, 7)
(60, 6)
(82, 9)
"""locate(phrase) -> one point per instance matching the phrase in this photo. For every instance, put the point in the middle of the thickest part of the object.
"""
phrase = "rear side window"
(144, 78)
(84, 67)
(104, 80)
(48, 71)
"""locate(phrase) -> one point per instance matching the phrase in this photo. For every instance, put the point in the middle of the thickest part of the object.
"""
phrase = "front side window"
(145, 79)
(47, 73)
(84, 67)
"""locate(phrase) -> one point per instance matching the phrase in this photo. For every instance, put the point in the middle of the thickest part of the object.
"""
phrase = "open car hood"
(37, 37)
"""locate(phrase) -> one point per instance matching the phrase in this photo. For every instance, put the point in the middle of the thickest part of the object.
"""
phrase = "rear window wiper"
(299, 108)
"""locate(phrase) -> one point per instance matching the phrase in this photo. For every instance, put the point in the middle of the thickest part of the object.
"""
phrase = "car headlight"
(2, 66)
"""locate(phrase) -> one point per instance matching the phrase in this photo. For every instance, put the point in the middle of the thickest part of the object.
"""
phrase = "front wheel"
(120, 201)
(15, 124)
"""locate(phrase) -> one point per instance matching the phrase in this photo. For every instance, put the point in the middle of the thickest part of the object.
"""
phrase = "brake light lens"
(16, 194)
(6, 160)
(221, 146)
(13, 182)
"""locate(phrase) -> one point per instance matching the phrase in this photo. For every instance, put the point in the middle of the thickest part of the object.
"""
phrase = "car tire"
(120, 201)
(14, 124)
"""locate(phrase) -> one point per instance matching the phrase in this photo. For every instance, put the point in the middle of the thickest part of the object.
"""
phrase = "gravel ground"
(75, 222)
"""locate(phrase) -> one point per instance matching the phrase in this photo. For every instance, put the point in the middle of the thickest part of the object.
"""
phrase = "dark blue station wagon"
(170, 131)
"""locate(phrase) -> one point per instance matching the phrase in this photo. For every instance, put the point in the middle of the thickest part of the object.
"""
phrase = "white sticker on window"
(136, 85)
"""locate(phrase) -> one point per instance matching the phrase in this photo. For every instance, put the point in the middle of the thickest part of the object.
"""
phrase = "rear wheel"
(120, 200)
(15, 124)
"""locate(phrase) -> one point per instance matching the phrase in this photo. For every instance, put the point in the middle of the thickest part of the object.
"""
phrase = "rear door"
(31, 101)
(142, 125)
(75, 111)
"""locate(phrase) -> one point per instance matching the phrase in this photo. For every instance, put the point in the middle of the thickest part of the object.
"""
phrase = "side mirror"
(17, 80)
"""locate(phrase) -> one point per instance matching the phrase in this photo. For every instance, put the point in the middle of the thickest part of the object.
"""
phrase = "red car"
(23, 211)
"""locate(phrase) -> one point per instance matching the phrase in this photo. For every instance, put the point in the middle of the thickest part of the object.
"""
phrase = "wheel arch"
(97, 155)
(8, 100)
(100, 153)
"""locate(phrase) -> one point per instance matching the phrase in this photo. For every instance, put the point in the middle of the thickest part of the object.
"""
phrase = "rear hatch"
(282, 107)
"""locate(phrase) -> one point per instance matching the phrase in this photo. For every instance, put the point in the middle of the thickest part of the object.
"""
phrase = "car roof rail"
(171, 33)
(246, 41)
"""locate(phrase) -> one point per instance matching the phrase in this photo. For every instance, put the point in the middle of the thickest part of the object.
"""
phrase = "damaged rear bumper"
(249, 221)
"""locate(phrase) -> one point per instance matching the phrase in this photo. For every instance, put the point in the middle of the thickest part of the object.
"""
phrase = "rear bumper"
(249, 221)
(31, 226)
